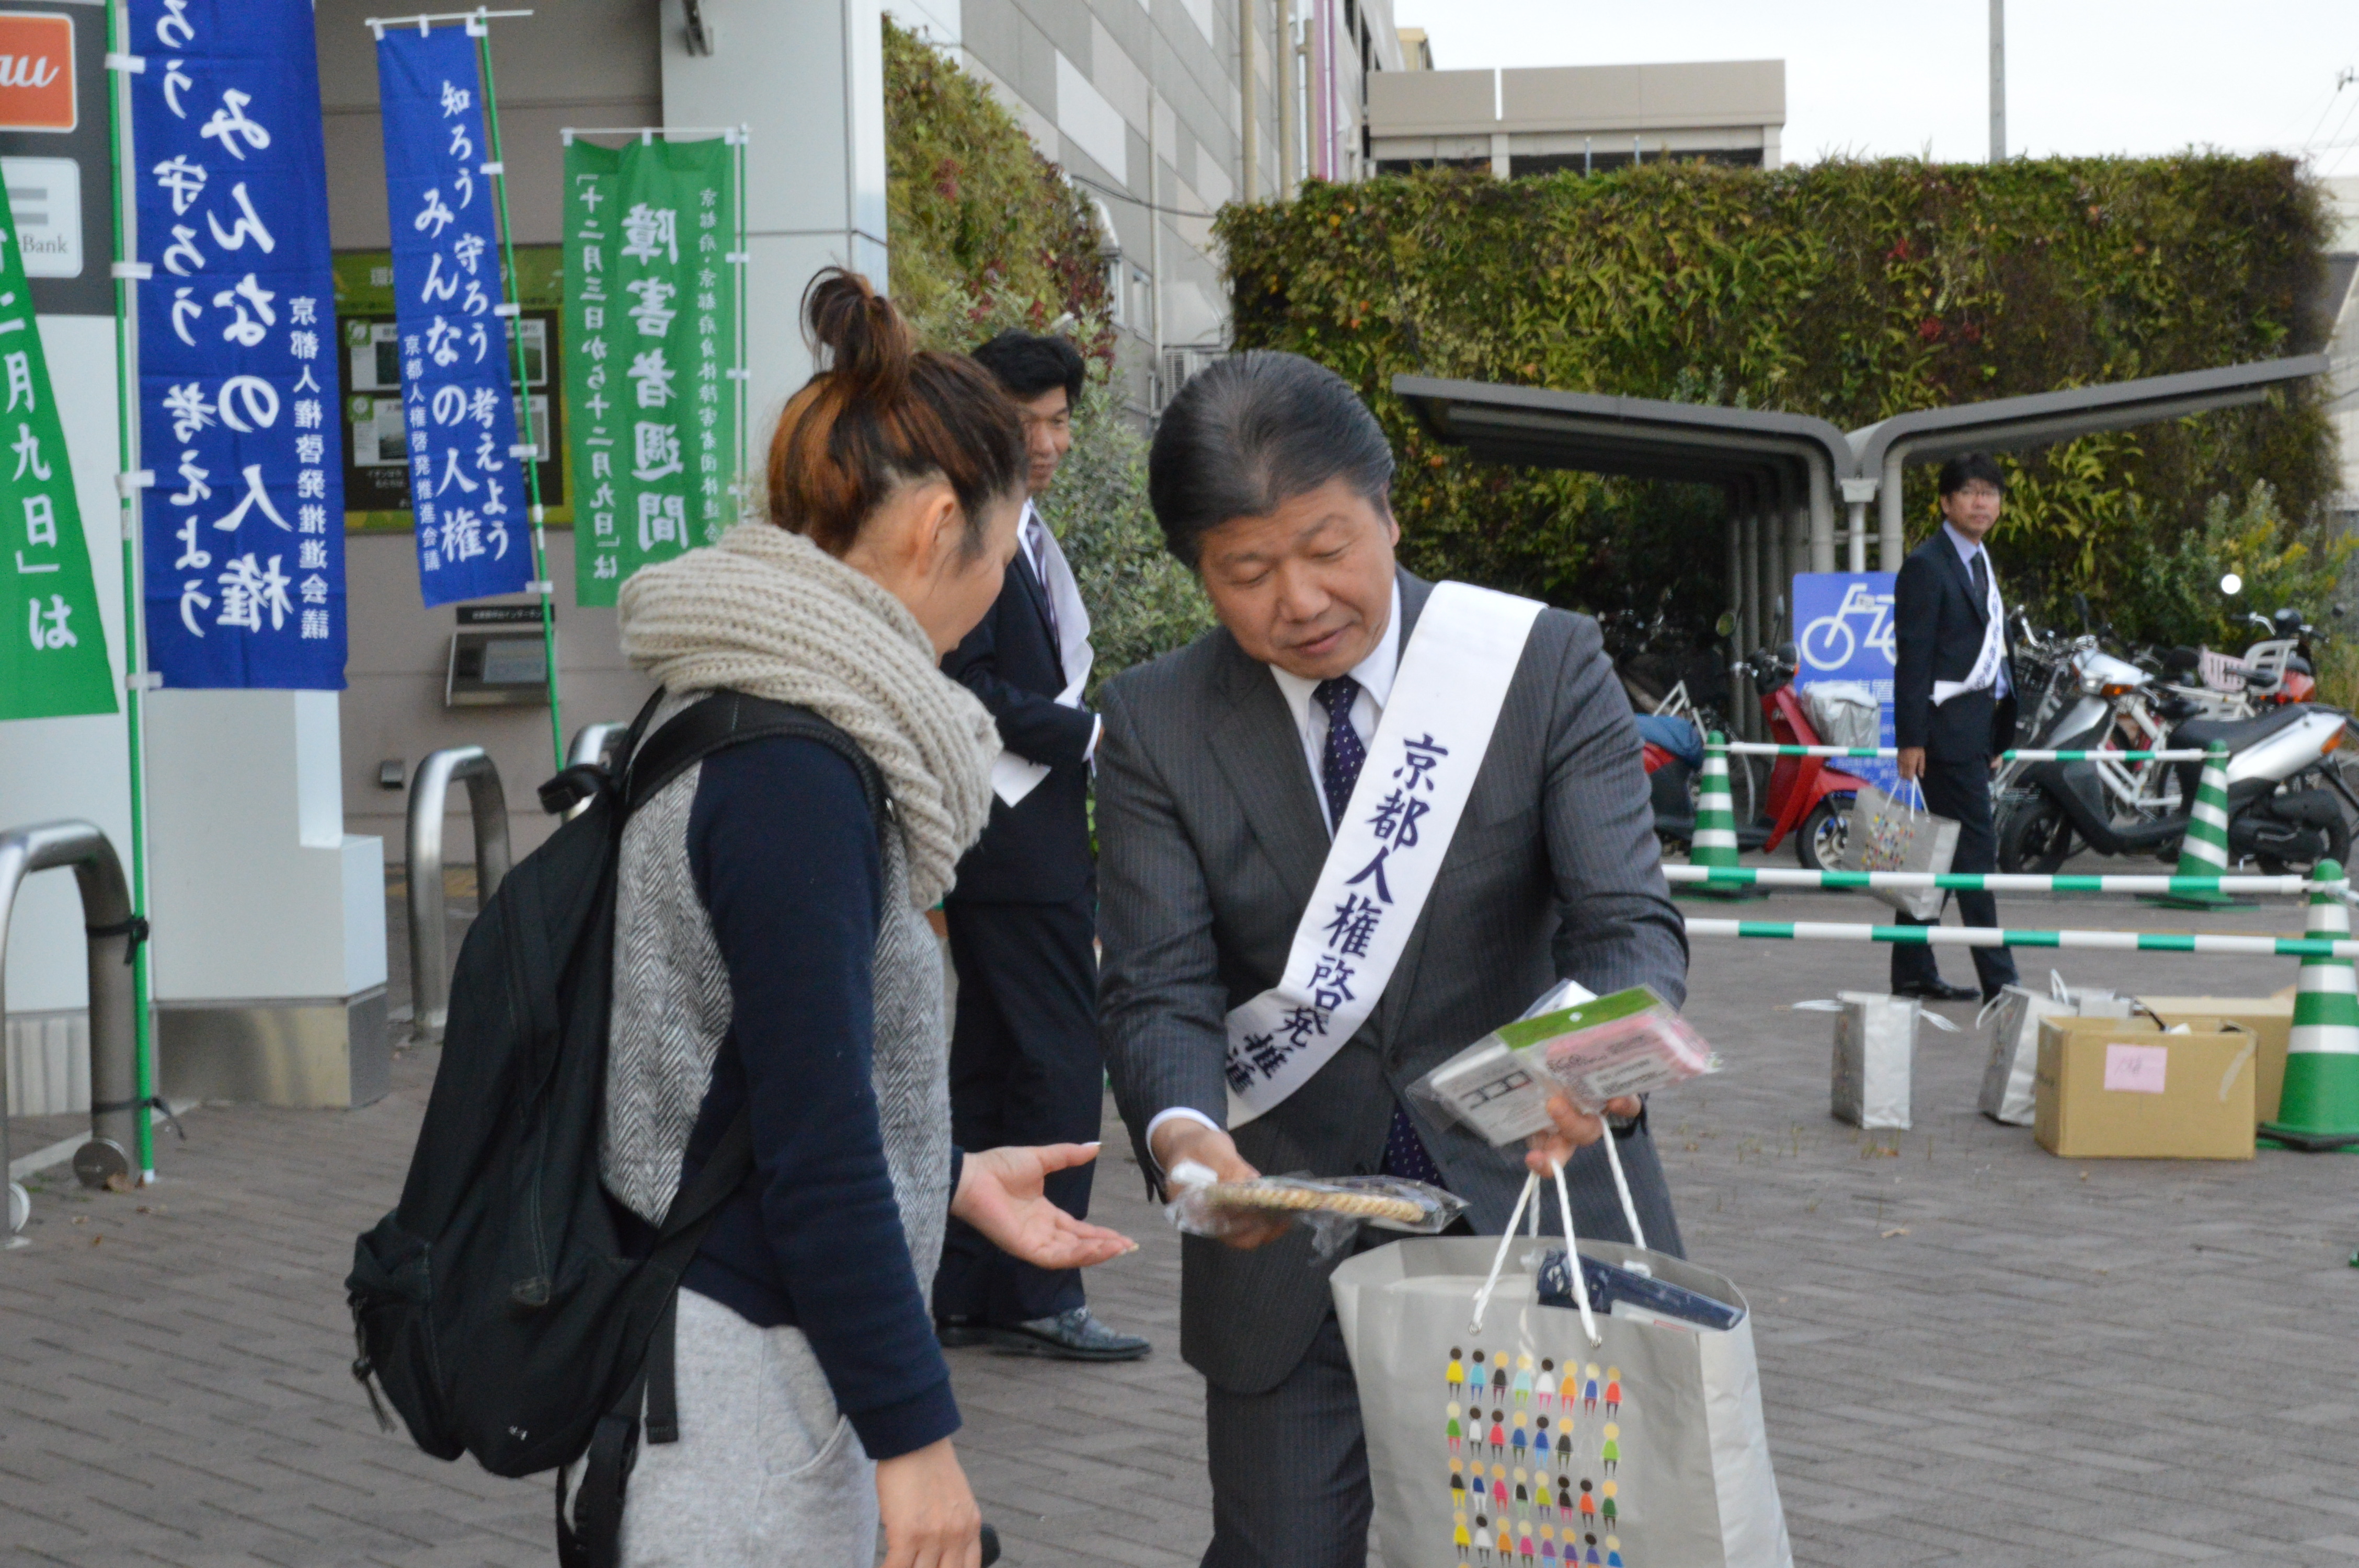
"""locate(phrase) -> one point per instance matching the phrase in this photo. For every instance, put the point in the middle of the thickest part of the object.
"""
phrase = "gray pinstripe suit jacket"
(1209, 841)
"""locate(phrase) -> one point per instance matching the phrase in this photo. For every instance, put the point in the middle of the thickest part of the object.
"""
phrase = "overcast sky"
(2083, 76)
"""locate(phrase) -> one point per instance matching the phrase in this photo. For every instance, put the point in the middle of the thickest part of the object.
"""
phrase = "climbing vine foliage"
(1850, 290)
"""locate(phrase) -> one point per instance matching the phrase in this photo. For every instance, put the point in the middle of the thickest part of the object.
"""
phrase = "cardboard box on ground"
(2270, 1018)
(2127, 1090)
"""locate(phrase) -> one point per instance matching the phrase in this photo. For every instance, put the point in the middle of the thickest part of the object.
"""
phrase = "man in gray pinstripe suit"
(1221, 768)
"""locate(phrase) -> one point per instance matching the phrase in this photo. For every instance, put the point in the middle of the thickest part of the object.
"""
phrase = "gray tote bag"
(1503, 1431)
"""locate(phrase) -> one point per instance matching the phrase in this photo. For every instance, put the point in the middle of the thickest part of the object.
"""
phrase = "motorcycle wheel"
(2037, 837)
(2338, 849)
(1819, 842)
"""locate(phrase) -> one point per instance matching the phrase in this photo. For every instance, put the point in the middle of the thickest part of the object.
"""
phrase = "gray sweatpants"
(766, 1472)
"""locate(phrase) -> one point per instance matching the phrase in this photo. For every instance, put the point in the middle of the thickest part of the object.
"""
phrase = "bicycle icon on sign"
(1830, 643)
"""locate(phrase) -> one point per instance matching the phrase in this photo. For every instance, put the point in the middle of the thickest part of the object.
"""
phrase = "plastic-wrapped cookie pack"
(1332, 1207)
(1592, 1051)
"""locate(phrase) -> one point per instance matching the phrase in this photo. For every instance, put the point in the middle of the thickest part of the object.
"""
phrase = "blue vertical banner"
(1843, 631)
(243, 532)
(467, 487)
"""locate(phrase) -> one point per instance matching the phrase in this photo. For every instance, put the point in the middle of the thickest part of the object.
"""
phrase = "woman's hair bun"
(867, 343)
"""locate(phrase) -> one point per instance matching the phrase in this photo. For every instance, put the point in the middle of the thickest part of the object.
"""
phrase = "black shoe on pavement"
(955, 1332)
(1072, 1336)
(1937, 990)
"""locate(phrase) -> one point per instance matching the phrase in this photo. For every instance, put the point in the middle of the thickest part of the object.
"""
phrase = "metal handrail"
(593, 743)
(113, 1049)
(487, 804)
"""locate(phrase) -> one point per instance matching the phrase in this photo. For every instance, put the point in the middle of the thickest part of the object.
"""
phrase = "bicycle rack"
(487, 804)
(593, 743)
(113, 1049)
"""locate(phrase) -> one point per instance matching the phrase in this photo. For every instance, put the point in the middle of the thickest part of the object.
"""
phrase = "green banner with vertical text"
(652, 374)
(52, 646)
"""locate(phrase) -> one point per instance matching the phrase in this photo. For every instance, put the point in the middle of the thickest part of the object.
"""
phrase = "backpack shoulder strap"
(729, 719)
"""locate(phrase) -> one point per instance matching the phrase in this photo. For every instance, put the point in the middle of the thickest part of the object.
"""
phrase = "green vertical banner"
(52, 646)
(652, 379)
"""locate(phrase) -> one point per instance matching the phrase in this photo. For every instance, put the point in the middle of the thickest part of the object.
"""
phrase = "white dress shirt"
(1374, 674)
(1967, 550)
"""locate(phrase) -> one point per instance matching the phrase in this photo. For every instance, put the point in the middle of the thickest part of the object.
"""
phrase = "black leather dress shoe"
(1937, 990)
(954, 1332)
(1072, 1336)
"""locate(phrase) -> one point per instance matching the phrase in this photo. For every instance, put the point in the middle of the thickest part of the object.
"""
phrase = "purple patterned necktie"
(1339, 773)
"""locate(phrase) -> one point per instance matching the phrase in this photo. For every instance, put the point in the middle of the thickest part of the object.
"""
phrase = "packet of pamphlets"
(1631, 1042)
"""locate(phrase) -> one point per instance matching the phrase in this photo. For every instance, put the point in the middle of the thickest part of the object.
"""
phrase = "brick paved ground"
(1972, 1353)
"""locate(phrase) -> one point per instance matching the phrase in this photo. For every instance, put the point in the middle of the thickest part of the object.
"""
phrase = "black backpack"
(495, 1307)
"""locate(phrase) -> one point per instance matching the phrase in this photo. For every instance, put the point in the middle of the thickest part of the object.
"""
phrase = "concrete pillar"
(1891, 534)
(807, 77)
(1823, 520)
(1749, 616)
(1500, 164)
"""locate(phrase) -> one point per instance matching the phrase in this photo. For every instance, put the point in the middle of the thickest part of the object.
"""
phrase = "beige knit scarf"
(770, 613)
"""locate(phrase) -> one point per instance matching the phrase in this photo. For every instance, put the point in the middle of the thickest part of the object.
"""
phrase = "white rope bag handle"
(1571, 1244)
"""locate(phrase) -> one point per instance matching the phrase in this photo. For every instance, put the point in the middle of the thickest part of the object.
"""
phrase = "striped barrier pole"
(2204, 851)
(1764, 749)
(1994, 937)
(2292, 885)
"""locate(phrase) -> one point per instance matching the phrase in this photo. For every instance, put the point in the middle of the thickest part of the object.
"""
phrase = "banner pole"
(479, 24)
(134, 642)
(745, 372)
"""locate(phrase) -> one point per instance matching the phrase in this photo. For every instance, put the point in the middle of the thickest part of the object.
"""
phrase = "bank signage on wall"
(37, 74)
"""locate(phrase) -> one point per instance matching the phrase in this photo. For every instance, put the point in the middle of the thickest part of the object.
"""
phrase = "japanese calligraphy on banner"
(238, 333)
(1388, 846)
(653, 372)
(52, 652)
(466, 483)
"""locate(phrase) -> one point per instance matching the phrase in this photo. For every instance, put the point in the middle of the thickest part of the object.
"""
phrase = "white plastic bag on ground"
(1876, 1056)
(1897, 833)
(2013, 1015)
(1621, 1434)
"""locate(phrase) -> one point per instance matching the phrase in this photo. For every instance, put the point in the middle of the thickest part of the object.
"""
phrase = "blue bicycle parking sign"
(1843, 623)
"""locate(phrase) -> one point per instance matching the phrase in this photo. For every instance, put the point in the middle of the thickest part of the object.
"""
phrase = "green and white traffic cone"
(1715, 842)
(2204, 851)
(2319, 1110)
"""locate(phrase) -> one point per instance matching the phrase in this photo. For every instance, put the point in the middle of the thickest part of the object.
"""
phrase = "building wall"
(1541, 119)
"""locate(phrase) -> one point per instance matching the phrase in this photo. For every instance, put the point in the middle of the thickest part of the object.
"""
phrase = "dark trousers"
(1961, 791)
(1290, 1466)
(1025, 1068)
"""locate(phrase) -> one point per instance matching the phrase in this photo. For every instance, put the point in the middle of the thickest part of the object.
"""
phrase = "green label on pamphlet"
(1588, 1015)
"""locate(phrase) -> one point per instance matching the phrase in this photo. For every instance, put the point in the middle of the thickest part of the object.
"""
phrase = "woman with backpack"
(772, 955)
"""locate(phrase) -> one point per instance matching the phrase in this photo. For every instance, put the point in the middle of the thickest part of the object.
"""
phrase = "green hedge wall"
(1849, 290)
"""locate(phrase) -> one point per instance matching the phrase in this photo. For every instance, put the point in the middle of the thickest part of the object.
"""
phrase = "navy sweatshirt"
(784, 853)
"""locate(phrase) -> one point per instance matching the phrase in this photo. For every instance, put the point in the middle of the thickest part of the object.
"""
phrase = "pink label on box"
(2137, 1069)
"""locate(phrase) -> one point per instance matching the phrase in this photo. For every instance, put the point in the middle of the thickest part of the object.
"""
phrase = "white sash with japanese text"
(1388, 846)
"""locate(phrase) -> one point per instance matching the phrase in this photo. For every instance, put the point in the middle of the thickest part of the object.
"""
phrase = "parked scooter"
(1808, 797)
(2277, 815)
(1673, 750)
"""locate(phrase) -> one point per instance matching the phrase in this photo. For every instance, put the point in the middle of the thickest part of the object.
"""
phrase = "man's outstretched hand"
(999, 1194)
(1574, 1129)
(1179, 1141)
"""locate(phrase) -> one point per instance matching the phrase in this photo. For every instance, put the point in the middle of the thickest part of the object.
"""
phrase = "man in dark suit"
(1224, 769)
(1953, 704)
(1025, 1063)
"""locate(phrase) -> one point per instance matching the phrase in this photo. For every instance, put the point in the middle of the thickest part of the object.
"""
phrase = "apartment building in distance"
(1584, 118)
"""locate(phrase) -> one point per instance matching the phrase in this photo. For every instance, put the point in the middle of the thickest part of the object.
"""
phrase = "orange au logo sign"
(36, 83)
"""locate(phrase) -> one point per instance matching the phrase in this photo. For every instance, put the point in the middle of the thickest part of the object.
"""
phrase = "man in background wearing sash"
(1954, 705)
(1226, 771)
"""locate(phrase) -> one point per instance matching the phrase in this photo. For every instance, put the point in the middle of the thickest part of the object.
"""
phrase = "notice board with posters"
(376, 447)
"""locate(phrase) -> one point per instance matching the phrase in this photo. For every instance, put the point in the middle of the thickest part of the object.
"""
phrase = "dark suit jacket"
(1037, 851)
(1211, 840)
(1938, 631)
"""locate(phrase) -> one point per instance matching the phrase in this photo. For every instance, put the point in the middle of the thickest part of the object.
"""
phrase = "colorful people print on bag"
(1587, 1501)
(1546, 1386)
(1498, 1433)
(1589, 1390)
(1451, 1431)
(1457, 1483)
(1483, 1537)
(1453, 1376)
(1523, 1384)
(1569, 1388)
(1521, 1440)
(1610, 1508)
(1613, 1392)
(1611, 1454)
(1499, 1380)
(1458, 1536)
(1541, 1515)
(1612, 1552)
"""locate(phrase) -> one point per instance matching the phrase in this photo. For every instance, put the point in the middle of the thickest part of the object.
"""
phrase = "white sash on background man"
(1014, 777)
(1984, 674)
(1388, 845)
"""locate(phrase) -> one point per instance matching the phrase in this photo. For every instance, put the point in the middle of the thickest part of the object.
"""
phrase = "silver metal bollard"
(487, 804)
(114, 1047)
(593, 743)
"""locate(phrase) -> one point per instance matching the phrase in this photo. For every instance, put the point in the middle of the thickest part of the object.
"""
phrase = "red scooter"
(1808, 797)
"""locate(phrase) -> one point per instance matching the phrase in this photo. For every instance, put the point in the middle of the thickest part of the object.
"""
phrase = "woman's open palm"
(1000, 1195)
